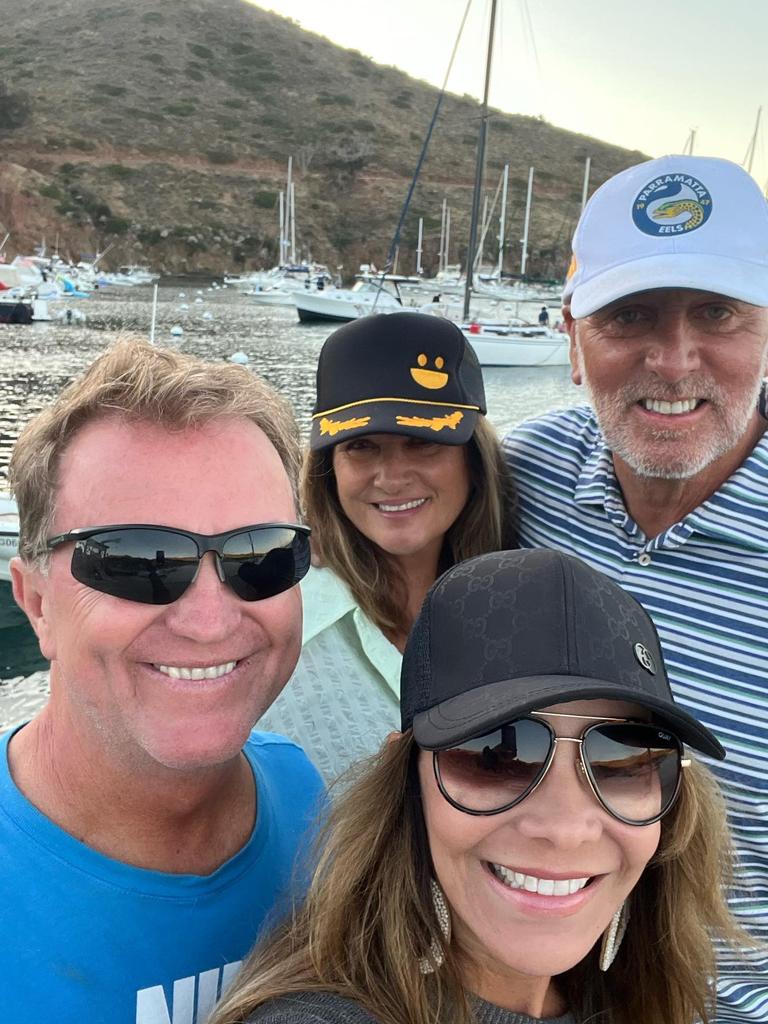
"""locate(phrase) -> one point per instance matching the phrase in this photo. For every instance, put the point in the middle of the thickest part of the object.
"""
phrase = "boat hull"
(16, 312)
(520, 348)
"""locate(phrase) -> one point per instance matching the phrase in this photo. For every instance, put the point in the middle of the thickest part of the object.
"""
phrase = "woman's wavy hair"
(485, 524)
(369, 918)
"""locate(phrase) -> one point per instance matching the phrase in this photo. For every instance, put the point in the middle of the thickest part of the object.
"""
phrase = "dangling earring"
(612, 936)
(437, 957)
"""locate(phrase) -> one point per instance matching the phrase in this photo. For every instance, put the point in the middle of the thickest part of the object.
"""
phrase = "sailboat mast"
(282, 242)
(479, 167)
(419, 250)
(447, 235)
(753, 143)
(293, 222)
(502, 221)
(527, 222)
(585, 190)
(288, 210)
(441, 260)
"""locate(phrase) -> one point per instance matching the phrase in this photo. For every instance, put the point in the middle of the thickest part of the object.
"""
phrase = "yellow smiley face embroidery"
(432, 379)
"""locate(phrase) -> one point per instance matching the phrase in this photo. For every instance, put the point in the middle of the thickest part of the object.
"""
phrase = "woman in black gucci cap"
(404, 478)
(534, 847)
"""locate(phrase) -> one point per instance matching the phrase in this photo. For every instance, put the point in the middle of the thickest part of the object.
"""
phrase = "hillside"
(164, 126)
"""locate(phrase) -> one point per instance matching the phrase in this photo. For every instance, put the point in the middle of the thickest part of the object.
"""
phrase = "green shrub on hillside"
(116, 225)
(119, 171)
(184, 108)
(265, 200)
(111, 90)
(200, 51)
(220, 156)
(338, 99)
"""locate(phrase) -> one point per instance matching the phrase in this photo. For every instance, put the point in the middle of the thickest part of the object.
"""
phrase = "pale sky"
(639, 74)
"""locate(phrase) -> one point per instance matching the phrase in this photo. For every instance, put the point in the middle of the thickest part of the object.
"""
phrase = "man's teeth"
(542, 886)
(402, 507)
(211, 672)
(670, 408)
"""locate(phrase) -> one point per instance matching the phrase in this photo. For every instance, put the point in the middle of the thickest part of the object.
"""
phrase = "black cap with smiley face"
(397, 373)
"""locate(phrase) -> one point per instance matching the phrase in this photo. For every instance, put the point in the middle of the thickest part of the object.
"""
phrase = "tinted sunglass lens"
(150, 566)
(494, 771)
(635, 769)
(258, 564)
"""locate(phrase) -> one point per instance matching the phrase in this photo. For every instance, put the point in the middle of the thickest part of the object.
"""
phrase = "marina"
(38, 359)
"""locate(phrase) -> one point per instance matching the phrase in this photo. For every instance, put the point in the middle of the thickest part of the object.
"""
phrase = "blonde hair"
(485, 524)
(140, 382)
(369, 918)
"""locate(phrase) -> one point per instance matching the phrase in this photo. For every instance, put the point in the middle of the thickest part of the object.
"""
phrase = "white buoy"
(199, 291)
(198, 300)
(207, 315)
(182, 295)
(183, 307)
(177, 330)
(239, 357)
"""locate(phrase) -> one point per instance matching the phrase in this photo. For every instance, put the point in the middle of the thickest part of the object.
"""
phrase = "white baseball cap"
(676, 222)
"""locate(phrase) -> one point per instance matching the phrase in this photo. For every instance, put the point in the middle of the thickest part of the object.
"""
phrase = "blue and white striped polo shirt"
(705, 583)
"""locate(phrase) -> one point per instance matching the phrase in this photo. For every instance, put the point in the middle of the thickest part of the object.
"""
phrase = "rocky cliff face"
(164, 127)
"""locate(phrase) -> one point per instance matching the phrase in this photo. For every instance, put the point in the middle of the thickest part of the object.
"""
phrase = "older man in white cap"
(663, 482)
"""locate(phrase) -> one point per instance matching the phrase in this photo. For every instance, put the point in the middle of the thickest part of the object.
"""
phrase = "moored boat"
(9, 534)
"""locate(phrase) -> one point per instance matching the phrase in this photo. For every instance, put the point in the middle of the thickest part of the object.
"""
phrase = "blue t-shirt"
(89, 940)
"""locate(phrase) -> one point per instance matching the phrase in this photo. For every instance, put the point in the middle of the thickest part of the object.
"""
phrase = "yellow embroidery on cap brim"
(333, 427)
(436, 423)
(572, 268)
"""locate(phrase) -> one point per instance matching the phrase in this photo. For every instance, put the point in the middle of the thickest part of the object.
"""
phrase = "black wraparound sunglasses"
(157, 564)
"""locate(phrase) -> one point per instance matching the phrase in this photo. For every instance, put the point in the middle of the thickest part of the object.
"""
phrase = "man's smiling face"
(673, 375)
(116, 663)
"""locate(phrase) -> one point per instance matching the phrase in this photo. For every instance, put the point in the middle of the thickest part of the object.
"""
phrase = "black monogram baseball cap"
(397, 373)
(511, 632)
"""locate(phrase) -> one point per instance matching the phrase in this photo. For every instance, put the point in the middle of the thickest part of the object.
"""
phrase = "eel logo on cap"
(672, 204)
(645, 658)
(432, 379)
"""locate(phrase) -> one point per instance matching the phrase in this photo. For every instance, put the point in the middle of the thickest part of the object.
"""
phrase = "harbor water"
(37, 360)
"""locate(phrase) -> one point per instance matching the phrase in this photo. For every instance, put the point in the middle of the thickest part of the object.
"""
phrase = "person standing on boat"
(404, 478)
(663, 482)
(145, 831)
(544, 317)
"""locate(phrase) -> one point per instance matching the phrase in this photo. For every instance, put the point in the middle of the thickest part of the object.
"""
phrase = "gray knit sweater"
(325, 1008)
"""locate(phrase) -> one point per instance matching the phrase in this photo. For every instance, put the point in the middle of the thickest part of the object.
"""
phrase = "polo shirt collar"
(722, 516)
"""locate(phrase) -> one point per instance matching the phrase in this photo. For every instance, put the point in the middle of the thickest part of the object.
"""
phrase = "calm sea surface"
(36, 361)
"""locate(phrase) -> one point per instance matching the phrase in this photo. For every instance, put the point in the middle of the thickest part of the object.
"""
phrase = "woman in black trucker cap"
(535, 845)
(404, 478)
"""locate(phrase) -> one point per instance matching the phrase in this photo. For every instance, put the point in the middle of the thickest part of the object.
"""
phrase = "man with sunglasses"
(145, 831)
(662, 483)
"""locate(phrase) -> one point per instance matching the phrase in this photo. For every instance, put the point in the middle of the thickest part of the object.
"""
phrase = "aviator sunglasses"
(633, 768)
(157, 564)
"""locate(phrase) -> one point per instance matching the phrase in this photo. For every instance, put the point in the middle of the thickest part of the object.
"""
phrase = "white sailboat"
(9, 534)
(511, 344)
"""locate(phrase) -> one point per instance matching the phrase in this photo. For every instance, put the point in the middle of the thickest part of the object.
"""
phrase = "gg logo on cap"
(432, 379)
(643, 655)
